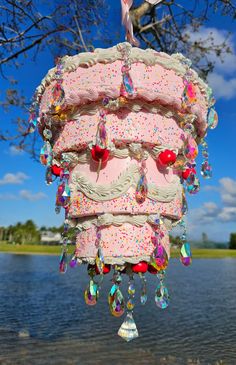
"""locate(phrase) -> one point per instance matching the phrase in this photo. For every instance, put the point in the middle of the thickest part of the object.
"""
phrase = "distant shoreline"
(56, 250)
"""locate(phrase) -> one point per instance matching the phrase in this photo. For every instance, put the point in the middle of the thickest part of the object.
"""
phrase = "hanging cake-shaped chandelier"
(121, 129)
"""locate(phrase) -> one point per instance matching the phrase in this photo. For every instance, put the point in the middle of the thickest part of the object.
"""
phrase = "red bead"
(167, 158)
(56, 170)
(99, 153)
(187, 172)
(140, 267)
(106, 269)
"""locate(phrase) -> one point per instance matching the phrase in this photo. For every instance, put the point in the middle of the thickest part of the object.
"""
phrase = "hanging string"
(127, 22)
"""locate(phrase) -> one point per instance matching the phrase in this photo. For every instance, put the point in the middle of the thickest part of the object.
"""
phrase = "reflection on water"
(44, 320)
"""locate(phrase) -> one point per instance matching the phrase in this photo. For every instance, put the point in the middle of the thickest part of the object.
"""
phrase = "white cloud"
(15, 151)
(222, 80)
(211, 212)
(222, 88)
(8, 196)
(15, 179)
(227, 64)
(228, 214)
(205, 214)
(228, 191)
(28, 195)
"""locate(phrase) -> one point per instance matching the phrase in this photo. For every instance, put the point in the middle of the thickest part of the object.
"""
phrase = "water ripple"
(44, 320)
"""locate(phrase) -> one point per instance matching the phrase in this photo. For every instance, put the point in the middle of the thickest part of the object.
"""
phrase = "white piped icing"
(129, 178)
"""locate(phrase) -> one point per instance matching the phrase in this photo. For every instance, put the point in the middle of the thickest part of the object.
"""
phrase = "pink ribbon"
(125, 7)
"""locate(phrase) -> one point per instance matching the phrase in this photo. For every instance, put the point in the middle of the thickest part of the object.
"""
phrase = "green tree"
(232, 241)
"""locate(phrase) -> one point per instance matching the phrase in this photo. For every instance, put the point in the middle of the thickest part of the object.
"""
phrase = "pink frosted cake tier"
(157, 77)
(152, 117)
(125, 243)
(122, 126)
(85, 202)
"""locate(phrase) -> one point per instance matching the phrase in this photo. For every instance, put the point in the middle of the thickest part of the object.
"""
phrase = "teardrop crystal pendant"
(32, 123)
(66, 195)
(100, 261)
(191, 149)
(193, 184)
(91, 293)
(128, 83)
(162, 296)
(206, 170)
(160, 259)
(189, 94)
(143, 298)
(212, 119)
(58, 95)
(63, 261)
(46, 154)
(131, 289)
(141, 190)
(116, 301)
(73, 261)
(63, 194)
(102, 137)
(185, 254)
(128, 330)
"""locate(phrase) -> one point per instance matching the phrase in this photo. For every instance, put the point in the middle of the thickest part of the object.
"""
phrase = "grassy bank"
(206, 253)
(55, 250)
(32, 249)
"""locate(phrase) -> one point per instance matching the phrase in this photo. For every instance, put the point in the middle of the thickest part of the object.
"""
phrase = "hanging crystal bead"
(32, 123)
(128, 330)
(58, 94)
(162, 296)
(128, 83)
(189, 94)
(63, 194)
(100, 260)
(73, 261)
(191, 149)
(141, 190)
(185, 254)
(102, 136)
(143, 296)
(46, 154)
(63, 261)
(116, 301)
(212, 118)
(159, 259)
(192, 183)
(91, 293)
(47, 133)
(206, 170)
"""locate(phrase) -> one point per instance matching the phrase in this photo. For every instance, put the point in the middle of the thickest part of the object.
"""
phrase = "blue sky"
(24, 194)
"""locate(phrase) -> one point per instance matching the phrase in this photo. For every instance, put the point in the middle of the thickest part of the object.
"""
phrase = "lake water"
(44, 320)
